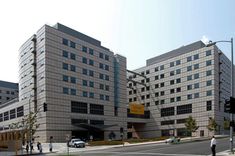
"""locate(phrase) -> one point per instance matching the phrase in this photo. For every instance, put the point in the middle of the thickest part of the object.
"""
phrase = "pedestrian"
(40, 147)
(213, 145)
(50, 147)
(27, 147)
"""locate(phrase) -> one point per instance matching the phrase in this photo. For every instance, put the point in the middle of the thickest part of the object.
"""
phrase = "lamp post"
(232, 90)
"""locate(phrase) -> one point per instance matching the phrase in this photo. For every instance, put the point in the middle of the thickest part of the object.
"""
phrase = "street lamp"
(231, 115)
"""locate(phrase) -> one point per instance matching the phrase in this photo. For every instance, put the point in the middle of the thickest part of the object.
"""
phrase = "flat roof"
(6, 84)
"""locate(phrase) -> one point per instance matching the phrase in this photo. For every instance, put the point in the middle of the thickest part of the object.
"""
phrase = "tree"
(191, 125)
(212, 125)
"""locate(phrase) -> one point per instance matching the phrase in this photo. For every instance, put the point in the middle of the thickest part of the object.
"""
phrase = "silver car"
(76, 143)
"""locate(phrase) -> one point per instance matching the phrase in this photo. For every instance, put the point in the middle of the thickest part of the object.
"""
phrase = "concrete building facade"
(193, 80)
(8, 91)
(82, 84)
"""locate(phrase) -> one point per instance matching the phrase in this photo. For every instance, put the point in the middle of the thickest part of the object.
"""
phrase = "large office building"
(8, 91)
(193, 80)
(76, 86)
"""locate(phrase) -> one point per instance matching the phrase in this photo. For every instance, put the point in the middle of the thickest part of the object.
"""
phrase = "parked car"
(172, 140)
(76, 143)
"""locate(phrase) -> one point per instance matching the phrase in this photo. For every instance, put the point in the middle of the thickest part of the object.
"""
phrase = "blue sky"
(136, 29)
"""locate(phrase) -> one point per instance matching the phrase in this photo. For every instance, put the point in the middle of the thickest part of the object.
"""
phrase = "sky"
(136, 29)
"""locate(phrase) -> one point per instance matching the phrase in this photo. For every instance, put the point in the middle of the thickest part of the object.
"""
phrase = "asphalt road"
(195, 148)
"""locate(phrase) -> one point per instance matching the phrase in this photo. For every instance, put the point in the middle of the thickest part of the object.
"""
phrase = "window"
(107, 98)
(172, 82)
(142, 89)
(178, 71)
(84, 94)
(209, 83)
(72, 79)
(162, 76)
(6, 116)
(189, 68)
(147, 72)
(189, 96)
(72, 44)
(162, 67)
(65, 90)
(84, 82)
(65, 66)
(181, 121)
(196, 66)
(156, 77)
(162, 93)
(106, 67)
(172, 73)
(196, 76)
(209, 93)
(157, 94)
(172, 64)
(208, 63)
(84, 71)
(184, 109)
(156, 102)
(73, 91)
(178, 89)
(189, 87)
(101, 97)
(189, 77)
(167, 111)
(208, 52)
(84, 60)
(91, 84)
(91, 62)
(65, 41)
(106, 57)
(101, 55)
(209, 72)
(65, 78)
(178, 80)
(78, 107)
(20, 111)
(73, 68)
(196, 56)
(96, 109)
(106, 77)
(156, 69)
(101, 76)
(91, 51)
(91, 95)
(172, 100)
(196, 95)
(162, 84)
(91, 73)
(178, 62)
(172, 91)
(102, 87)
(196, 85)
(101, 66)
(156, 85)
(107, 87)
(65, 54)
(168, 122)
(84, 49)
(178, 98)
(1, 118)
(12, 114)
(72, 56)
(162, 102)
(208, 105)
(189, 58)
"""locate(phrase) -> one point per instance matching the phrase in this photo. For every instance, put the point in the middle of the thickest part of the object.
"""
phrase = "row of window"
(87, 61)
(178, 62)
(82, 121)
(85, 49)
(69, 79)
(66, 67)
(68, 43)
(67, 54)
(70, 91)
(12, 114)
(8, 92)
(171, 122)
(82, 107)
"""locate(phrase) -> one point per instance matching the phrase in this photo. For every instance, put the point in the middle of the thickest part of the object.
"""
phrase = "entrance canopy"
(93, 127)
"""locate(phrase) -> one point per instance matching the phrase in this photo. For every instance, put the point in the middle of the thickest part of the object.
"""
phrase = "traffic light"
(229, 106)
(44, 107)
(232, 105)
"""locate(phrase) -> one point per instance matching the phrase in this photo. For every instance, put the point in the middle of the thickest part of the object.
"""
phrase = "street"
(195, 148)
